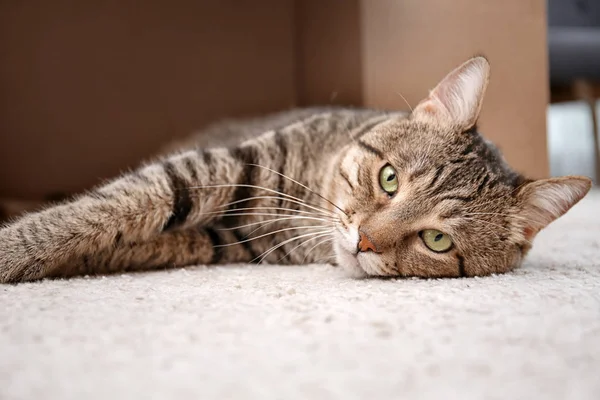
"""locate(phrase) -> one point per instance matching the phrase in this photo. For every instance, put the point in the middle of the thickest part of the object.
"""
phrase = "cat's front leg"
(161, 197)
(193, 246)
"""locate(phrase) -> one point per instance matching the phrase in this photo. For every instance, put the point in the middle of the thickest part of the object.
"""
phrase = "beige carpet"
(267, 332)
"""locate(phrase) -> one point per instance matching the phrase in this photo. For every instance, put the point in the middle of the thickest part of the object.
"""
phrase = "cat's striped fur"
(166, 214)
(301, 184)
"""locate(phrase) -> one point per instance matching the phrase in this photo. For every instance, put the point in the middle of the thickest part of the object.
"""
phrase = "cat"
(382, 193)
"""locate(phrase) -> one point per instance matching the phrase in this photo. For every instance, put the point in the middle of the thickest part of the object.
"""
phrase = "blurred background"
(89, 89)
(574, 54)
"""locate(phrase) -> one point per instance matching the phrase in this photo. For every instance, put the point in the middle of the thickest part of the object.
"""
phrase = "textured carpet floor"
(271, 332)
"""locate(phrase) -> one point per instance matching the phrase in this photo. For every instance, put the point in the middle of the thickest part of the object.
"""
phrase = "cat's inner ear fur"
(456, 101)
(543, 201)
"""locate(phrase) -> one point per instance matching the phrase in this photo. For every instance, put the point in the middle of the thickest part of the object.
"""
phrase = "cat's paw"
(17, 263)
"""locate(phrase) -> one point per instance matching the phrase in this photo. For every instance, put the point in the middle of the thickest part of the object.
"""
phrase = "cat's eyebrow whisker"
(315, 246)
(301, 184)
(406, 101)
(266, 253)
(302, 203)
(273, 233)
(303, 243)
(349, 132)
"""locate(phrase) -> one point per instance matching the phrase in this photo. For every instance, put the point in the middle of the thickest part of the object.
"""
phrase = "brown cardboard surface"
(328, 52)
(89, 88)
(408, 46)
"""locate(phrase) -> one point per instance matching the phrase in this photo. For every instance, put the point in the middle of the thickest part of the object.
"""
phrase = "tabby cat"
(380, 193)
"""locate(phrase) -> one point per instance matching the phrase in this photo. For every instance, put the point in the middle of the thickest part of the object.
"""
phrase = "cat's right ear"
(545, 200)
(456, 101)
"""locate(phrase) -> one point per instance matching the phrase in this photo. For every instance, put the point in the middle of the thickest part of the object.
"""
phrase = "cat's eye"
(436, 241)
(388, 179)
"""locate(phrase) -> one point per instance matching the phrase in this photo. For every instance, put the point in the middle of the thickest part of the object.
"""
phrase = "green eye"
(436, 241)
(388, 179)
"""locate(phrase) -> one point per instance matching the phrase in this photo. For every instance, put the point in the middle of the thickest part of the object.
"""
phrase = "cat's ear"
(544, 200)
(456, 101)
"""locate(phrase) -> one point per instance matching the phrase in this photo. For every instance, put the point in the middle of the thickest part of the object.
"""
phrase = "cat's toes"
(13, 270)
(10, 274)
(16, 264)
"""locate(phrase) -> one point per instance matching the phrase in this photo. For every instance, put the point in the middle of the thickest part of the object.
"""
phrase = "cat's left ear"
(456, 101)
(544, 200)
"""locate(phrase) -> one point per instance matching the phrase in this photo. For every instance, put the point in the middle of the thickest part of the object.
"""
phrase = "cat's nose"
(365, 244)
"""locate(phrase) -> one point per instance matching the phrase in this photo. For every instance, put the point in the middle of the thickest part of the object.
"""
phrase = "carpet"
(272, 332)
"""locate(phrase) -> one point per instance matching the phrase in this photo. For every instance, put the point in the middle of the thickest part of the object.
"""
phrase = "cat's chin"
(355, 272)
(349, 263)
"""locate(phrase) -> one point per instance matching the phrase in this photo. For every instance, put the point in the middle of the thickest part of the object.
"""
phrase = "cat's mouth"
(347, 255)
(348, 261)
(357, 263)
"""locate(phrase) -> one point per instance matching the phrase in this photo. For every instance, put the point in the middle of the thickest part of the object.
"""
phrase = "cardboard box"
(410, 45)
(88, 89)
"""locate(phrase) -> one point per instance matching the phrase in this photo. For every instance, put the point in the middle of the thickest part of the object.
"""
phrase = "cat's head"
(427, 196)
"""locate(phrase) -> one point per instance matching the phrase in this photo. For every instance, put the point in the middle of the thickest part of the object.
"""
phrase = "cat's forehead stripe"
(371, 149)
(369, 126)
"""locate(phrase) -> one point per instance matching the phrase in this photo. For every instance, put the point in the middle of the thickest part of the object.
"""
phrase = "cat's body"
(363, 188)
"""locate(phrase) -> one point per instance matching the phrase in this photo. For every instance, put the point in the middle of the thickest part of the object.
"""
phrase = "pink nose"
(365, 244)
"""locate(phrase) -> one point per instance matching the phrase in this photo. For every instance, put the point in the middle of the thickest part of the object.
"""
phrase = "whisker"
(237, 185)
(266, 253)
(303, 243)
(324, 259)
(272, 233)
(237, 212)
(250, 186)
(257, 214)
(318, 244)
(264, 224)
(292, 210)
(270, 221)
(302, 185)
(406, 101)
(321, 210)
